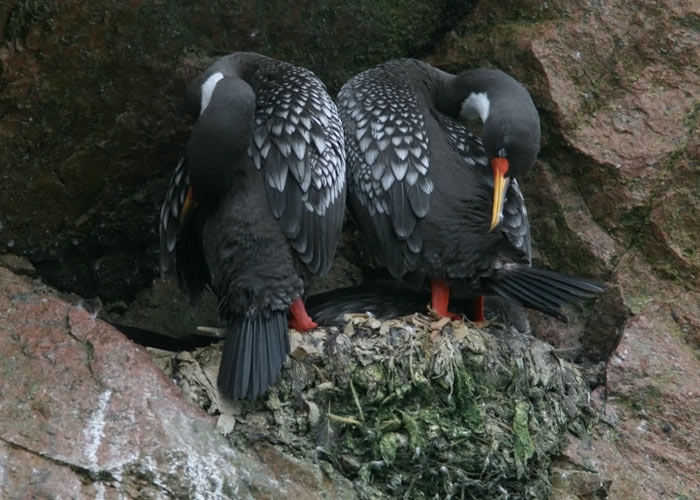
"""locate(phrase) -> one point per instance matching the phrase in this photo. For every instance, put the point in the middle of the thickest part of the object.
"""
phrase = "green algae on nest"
(418, 409)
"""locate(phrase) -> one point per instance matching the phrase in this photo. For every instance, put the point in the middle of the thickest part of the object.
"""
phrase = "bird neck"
(217, 152)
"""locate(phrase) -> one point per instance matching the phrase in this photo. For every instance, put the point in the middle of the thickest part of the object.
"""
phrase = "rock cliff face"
(91, 124)
(616, 192)
(85, 414)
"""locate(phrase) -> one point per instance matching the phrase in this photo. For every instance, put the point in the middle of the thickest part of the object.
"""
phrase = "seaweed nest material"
(411, 408)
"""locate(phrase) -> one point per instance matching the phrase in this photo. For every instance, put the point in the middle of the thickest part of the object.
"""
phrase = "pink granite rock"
(85, 414)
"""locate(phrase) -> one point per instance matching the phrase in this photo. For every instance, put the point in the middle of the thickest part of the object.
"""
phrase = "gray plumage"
(420, 184)
(266, 164)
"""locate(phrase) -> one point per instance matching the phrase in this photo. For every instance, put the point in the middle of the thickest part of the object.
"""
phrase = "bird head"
(511, 126)
(199, 92)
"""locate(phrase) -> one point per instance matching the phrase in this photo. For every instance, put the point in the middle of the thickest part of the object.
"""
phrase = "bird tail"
(381, 300)
(255, 349)
(389, 301)
(545, 291)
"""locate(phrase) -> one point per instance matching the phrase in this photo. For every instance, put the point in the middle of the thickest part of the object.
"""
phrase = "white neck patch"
(476, 105)
(208, 89)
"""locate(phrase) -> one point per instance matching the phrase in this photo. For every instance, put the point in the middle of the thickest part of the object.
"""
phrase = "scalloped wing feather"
(388, 163)
(515, 222)
(170, 213)
(180, 238)
(299, 146)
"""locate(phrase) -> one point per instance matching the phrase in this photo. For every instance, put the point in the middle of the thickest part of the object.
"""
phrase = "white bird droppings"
(94, 431)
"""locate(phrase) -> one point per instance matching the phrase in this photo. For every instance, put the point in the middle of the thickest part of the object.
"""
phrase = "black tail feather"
(574, 285)
(259, 347)
(381, 300)
(167, 342)
(544, 290)
(253, 354)
(387, 301)
(538, 292)
(515, 294)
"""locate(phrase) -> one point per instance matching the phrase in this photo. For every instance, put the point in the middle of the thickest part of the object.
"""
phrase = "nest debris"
(411, 408)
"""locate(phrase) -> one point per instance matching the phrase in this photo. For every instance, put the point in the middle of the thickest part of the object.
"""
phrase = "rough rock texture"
(84, 414)
(410, 407)
(616, 191)
(648, 445)
(92, 121)
(614, 195)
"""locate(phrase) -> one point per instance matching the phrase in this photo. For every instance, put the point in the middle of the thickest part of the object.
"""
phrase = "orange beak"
(500, 186)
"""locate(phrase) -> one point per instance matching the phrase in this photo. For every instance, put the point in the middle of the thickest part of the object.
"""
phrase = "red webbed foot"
(299, 319)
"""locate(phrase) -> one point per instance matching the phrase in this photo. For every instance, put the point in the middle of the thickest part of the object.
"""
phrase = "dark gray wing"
(388, 162)
(469, 145)
(180, 239)
(515, 223)
(298, 144)
(170, 216)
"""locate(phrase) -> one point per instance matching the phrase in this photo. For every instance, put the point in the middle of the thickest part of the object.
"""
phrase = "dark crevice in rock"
(92, 475)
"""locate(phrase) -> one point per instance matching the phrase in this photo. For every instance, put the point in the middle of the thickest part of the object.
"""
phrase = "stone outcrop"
(85, 414)
(91, 124)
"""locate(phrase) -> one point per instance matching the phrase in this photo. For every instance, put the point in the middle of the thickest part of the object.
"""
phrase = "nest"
(410, 408)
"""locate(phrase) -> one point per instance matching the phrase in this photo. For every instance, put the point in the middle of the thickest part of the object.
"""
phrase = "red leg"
(440, 298)
(300, 319)
(478, 311)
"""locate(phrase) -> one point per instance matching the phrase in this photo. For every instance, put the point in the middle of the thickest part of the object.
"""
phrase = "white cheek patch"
(476, 105)
(208, 89)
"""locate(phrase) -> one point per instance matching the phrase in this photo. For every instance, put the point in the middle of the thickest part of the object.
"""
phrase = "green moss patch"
(416, 409)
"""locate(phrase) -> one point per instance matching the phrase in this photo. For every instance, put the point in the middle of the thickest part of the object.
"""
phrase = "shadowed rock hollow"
(93, 121)
(84, 414)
